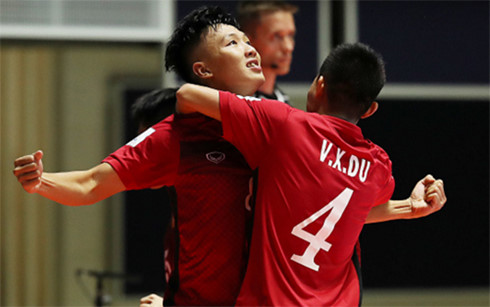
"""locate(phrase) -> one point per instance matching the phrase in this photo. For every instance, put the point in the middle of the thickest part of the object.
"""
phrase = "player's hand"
(151, 300)
(28, 170)
(427, 197)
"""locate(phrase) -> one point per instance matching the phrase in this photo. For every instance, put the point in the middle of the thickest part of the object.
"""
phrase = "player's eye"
(232, 42)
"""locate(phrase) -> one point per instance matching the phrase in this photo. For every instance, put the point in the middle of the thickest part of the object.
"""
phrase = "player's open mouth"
(254, 65)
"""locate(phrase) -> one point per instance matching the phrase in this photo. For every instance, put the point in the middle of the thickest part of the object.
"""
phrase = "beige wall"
(57, 97)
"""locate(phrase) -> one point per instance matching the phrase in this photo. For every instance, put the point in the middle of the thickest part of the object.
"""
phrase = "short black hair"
(187, 35)
(354, 75)
(154, 106)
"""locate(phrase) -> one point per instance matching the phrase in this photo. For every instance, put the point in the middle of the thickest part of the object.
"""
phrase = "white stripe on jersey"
(140, 138)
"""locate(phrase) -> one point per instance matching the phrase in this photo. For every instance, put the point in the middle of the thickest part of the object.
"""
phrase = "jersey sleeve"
(386, 193)
(249, 123)
(387, 188)
(149, 160)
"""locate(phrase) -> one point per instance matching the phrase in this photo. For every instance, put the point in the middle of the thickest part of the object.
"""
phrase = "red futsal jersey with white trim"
(211, 182)
(318, 179)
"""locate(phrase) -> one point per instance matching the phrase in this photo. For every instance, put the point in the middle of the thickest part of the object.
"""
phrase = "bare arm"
(427, 197)
(196, 98)
(68, 188)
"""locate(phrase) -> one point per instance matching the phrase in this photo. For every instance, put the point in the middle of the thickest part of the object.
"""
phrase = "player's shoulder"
(277, 94)
(166, 122)
(377, 149)
(160, 133)
(177, 122)
(380, 154)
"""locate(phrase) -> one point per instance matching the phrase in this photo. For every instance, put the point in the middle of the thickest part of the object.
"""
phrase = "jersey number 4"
(318, 241)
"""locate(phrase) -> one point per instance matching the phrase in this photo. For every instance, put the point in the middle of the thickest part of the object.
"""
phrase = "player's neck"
(247, 90)
(270, 81)
(339, 114)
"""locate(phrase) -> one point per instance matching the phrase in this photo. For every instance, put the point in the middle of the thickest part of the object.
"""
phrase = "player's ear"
(201, 71)
(320, 87)
(373, 108)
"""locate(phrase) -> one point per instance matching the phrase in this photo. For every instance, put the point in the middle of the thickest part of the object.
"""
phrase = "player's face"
(233, 64)
(274, 40)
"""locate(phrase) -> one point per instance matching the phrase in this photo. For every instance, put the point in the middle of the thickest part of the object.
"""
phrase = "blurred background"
(71, 69)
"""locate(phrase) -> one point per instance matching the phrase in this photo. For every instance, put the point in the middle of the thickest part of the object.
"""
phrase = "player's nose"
(250, 51)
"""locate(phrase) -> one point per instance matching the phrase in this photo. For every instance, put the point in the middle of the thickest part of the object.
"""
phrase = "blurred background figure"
(271, 29)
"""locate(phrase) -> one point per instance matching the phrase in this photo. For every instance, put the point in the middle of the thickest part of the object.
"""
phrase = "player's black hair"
(187, 35)
(154, 106)
(354, 75)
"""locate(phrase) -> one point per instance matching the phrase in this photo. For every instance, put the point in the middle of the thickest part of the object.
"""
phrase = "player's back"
(318, 180)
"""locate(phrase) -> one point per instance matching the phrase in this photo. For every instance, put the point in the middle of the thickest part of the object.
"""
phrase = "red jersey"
(211, 182)
(318, 178)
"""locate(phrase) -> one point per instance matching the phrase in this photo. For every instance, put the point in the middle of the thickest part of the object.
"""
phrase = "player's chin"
(284, 70)
(255, 77)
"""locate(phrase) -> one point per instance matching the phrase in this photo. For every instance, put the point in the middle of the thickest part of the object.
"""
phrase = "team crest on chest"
(215, 156)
